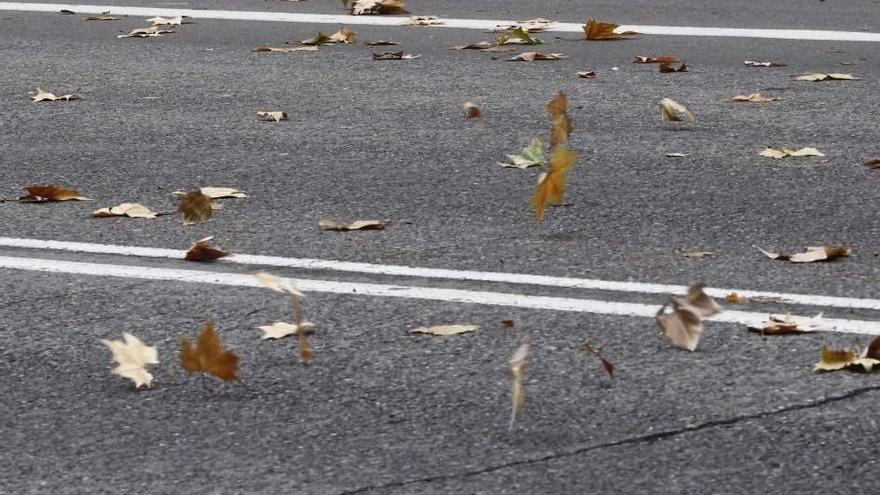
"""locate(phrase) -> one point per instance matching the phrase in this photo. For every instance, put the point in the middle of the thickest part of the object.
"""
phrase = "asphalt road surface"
(379, 410)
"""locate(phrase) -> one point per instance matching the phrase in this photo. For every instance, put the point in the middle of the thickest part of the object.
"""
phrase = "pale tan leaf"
(700, 302)
(586, 74)
(147, 32)
(788, 325)
(785, 152)
(279, 329)
(131, 210)
(41, 95)
(279, 284)
(344, 35)
(821, 253)
(604, 31)
(755, 63)
(133, 356)
(166, 21)
(533, 56)
(330, 224)
(698, 254)
(443, 330)
(674, 111)
(753, 97)
(102, 18)
(265, 48)
(821, 76)
(222, 192)
(681, 324)
(377, 7)
(518, 363)
(272, 116)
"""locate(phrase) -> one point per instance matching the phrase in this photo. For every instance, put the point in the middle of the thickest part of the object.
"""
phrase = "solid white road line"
(402, 291)
(440, 273)
(373, 20)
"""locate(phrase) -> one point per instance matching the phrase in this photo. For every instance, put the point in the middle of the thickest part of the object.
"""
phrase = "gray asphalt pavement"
(384, 412)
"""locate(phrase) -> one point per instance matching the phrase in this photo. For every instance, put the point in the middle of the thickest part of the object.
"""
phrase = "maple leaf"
(667, 68)
(195, 207)
(147, 32)
(551, 185)
(810, 254)
(272, 116)
(208, 355)
(603, 31)
(133, 356)
(530, 156)
(608, 365)
(50, 192)
(373, 7)
(561, 125)
(266, 48)
(394, 56)
(443, 330)
(821, 76)
(787, 325)
(330, 224)
(681, 319)
(838, 359)
(202, 250)
(785, 152)
(533, 56)
(41, 95)
(473, 111)
(130, 210)
(660, 59)
(753, 97)
(280, 329)
(755, 63)
(422, 20)
(674, 111)
(518, 364)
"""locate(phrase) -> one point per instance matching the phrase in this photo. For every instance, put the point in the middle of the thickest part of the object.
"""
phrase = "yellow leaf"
(561, 125)
(551, 186)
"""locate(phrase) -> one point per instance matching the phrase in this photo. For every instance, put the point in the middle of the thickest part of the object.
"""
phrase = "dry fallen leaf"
(279, 329)
(674, 111)
(318, 39)
(586, 74)
(681, 319)
(660, 59)
(609, 367)
(838, 359)
(208, 355)
(41, 95)
(133, 357)
(530, 26)
(473, 111)
(221, 192)
(288, 286)
(167, 21)
(43, 193)
(131, 210)
(754, 63)
(147, 32)
(394, 56)
(788, 325)
(518, 364)
(344, 36)
(551, 185)
(102, 18)
(483, 45)
(875, 163)
(666, 68)
(265, 48)
(754, 97)
(195, 207)
(272, 116)
(443, 330)
(785, 152)
(532, 155)
(561, 125)
(279, 284)
(810, 254)
(820, 76)
(330, 224)
(202, 250)
(532, 56)
(378, 7)
(518, 36)
(603, 31)
(422, 20)
(381, 43)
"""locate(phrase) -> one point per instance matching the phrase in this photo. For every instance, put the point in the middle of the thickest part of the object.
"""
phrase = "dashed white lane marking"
(439, 273)
(402, 291)
(372, 20)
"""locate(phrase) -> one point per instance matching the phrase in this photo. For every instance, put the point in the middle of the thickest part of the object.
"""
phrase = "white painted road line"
(401, 291)
(373, 20)
(440, 273)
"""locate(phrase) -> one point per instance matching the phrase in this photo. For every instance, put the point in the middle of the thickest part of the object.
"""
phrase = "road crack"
(635, 440)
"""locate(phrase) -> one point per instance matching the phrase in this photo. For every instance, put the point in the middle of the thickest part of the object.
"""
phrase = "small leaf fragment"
(222, 192)
(266, 48)
(422, 20)
(147, 32)
(208, 355)
(444, 330)
(586, 74)
(381, 43)
(196, 207)
(279, 329)
(681, 319)
(130, 210)
(167, 21)
(753, 97)
(698, 254)
(202, 250)
(330, 224)
(608, 365)
(533, 56)
(41, 95)
(376, 7)
(344, 36)
(279, 284)
(666, 68)
(394, 56)
(102, 18)
(875, 163)
(755, 63)
(561, 125)
(674, 111)
(677, 155)
(551, 185)
(785, 152)
(787, 325)
(821, 76)
(518, 363)
(473, 111)
(603, 31)
(810, 254)
(839, 359)
(532, 155)
(272, 116)
(661, 59)
(133, 356)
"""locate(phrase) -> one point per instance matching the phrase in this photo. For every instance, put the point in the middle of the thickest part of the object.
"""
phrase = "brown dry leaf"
(41, 95)
(551, 185)
(681, 319)
(788, 325)
(279, 329)
(202, 250)
(147, 32)
(667, 68)
(473, 111)
(755, 63)
(330, 224)
(810, 254)
(753, 97)
(168, 21)
(272, 116)
(697, 298)
(532, 56)
(785, 152)
(735, 298)
(838, 359)
(674, 111)
(698, 254)
(381, 43)
(376, 7)
(50, 192)
(265, 48)
(821, 76)
(586, 74)
(102, 18)
(608, 365)
(518, 364)
(394, 56)
(66, 12)
(133, 357)
(208, 355)
(195, 207)
(422, 20)
(603, 31)
(875, 163)
(131, 210)
(873, 350)
(444, 330)
(344, 36)
(660, 59)
(561, 125)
